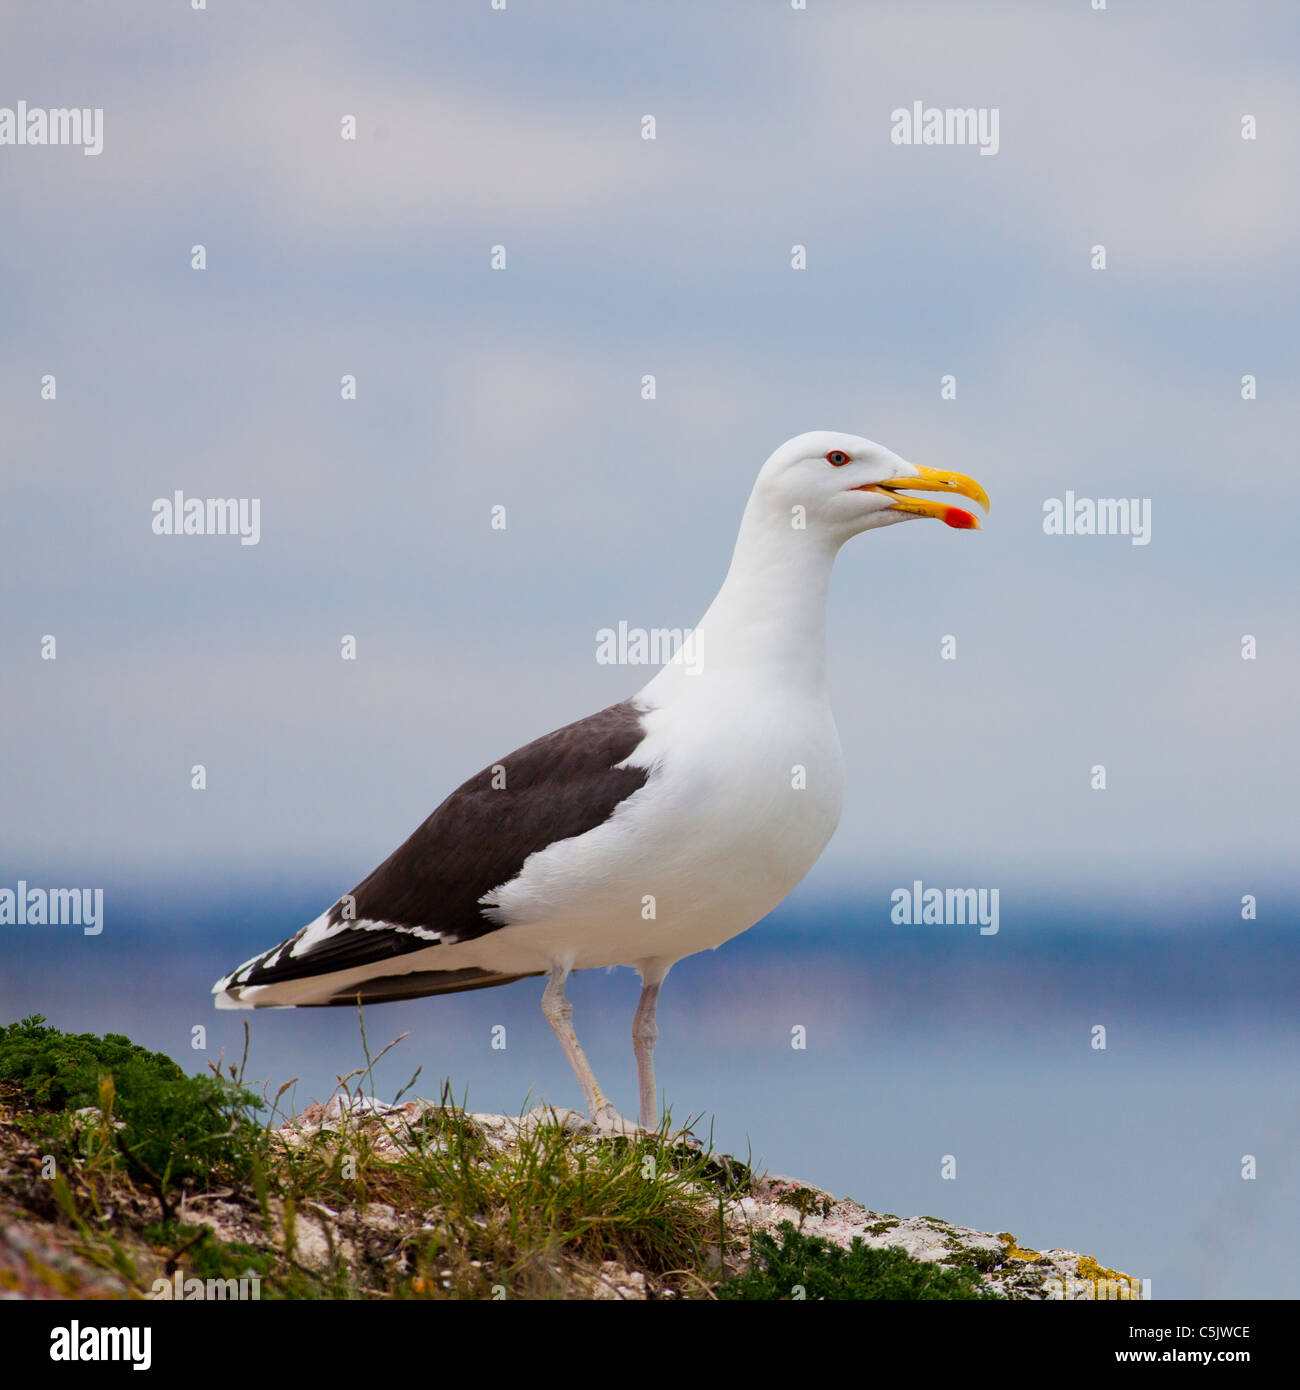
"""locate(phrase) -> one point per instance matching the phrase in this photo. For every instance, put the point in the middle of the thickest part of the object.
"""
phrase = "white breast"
(744, 793)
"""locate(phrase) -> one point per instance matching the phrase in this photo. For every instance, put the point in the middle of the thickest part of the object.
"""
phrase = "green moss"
(808, 1202)
(807, 1267)
(167, 1129)
(196, 1250)
(976, 1257)
(878, 1228)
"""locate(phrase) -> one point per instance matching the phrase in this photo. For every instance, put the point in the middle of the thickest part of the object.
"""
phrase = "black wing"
(427, 891)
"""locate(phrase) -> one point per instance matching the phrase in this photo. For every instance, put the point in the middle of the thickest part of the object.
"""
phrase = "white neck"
(768, 622)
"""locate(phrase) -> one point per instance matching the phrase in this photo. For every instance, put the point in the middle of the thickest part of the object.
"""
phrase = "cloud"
(523, 390)
(1116, 128)
(253, 134)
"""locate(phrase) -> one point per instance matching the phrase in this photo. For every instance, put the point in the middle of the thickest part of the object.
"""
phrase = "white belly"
(738, 810)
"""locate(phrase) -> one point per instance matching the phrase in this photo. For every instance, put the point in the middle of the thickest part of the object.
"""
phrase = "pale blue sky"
(522, 388)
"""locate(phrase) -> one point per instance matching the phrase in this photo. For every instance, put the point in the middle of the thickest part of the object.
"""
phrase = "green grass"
(519, 1222)
(528, 1221)
(415, 1205)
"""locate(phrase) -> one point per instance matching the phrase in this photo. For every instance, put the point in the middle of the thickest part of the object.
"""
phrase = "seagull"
(661, 826)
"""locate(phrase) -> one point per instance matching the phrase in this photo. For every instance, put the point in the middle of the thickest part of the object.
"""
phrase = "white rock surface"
(1005, 1266)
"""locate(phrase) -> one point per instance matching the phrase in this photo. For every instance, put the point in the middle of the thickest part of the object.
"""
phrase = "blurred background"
(522, 388)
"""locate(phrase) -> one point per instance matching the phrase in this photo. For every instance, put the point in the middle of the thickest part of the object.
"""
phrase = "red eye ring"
(837, 458)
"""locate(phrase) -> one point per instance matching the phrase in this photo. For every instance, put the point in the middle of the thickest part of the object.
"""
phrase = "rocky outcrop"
(1003, 1265)
(40, 1257)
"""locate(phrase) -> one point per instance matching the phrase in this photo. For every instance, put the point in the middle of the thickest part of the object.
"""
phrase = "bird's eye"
(837, 457)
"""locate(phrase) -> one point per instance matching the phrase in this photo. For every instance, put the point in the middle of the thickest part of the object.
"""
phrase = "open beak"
(934, 480)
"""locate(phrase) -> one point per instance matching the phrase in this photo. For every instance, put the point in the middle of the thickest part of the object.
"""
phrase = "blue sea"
(832, 1045)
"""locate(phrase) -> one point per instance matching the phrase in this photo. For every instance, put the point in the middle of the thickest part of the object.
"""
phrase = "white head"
(846, 484)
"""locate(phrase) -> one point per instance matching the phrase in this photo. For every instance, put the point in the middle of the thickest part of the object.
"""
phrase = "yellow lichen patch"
(1108, 1283)
(1012, 1251)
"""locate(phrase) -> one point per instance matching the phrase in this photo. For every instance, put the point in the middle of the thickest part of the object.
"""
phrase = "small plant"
(808, 1202)
(61, 1071)
(167, 1129)
(976, 1257)
(207, 1257)
(821, 1270)
(531, 1216)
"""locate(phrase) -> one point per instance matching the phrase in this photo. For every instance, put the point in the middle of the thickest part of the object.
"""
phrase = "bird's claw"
(605, 1120)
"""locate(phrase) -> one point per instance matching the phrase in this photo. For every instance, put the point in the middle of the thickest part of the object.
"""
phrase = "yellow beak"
(936, 480)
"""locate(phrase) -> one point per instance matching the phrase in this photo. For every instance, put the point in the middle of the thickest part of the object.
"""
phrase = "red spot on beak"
(962, 520)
